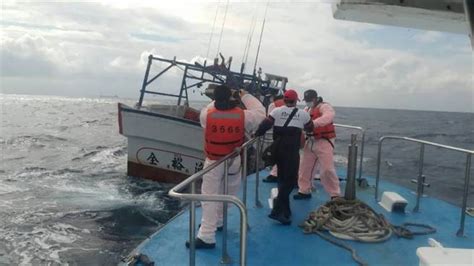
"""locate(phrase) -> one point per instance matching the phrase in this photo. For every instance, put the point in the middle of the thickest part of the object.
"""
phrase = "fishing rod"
(260, 42)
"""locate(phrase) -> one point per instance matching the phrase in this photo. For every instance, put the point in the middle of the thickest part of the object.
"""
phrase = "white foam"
(6, 188)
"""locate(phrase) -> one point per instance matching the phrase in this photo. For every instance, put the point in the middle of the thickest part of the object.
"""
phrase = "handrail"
(267, 138)
(174, 192)
(362, 130)
(420, 181)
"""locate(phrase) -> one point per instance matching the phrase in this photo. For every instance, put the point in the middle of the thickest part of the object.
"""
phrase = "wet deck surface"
(270, 243)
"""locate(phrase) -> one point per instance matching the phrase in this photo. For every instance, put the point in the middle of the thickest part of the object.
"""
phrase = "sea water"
(65, 197)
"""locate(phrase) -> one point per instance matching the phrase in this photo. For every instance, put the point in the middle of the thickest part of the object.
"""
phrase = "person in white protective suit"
(318, 151)
(225, 125)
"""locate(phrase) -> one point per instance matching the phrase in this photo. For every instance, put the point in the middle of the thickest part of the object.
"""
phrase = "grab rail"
(193, 197)
(420, 182)
(362, 131)
(268, 138)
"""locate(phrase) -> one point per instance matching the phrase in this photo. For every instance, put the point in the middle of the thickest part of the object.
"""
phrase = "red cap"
(291, 95)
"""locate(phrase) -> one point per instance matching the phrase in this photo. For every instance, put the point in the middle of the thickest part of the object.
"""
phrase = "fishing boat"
(165, 142)
(439, 233)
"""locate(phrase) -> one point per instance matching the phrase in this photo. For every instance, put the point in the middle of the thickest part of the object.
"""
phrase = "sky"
(101, 48)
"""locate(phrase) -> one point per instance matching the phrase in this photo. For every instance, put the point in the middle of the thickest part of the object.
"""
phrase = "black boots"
(280, 217)
(301, 196)
(270, 179)
(280, 213)
(201, 244)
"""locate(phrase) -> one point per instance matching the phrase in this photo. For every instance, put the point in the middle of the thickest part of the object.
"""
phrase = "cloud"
(92, 47)
(27, 56)
(428, 37)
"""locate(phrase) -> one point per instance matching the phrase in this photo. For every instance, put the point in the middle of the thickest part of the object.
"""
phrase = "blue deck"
(270, 243)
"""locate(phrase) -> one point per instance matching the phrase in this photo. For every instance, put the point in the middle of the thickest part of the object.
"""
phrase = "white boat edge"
(162, 144)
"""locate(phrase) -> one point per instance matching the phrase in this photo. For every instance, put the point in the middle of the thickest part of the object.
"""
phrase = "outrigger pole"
(260, 41)
(469, 10)
(195, 75)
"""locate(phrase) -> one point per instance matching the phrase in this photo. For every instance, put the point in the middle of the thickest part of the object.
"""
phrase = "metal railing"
(224, 198)
(268, 139)
(362, 142)
(420, 179)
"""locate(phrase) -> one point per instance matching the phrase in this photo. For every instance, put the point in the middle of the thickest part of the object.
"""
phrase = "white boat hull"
(162, 146)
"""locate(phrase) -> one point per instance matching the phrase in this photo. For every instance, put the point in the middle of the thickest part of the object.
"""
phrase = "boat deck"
(270, 243)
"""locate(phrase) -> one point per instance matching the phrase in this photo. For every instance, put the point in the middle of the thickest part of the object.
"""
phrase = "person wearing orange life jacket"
(277, 102)
(225, 126)
(318, 150)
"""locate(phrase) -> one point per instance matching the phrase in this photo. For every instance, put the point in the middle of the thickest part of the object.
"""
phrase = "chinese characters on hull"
(152, 159)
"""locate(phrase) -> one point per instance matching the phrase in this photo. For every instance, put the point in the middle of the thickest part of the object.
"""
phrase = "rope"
(212, 31)
(222, 29)
(344, 246)
(355, 220)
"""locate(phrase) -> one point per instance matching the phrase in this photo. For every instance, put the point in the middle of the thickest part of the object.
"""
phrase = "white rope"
(352, 220)
(355, 220)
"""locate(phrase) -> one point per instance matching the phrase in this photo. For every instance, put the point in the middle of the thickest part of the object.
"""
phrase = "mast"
(260, 41)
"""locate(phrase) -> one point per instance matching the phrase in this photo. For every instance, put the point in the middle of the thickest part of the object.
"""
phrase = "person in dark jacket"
(287, 122)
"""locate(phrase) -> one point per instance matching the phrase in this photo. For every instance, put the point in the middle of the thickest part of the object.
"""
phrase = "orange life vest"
(225, 131)
(327, 132)
(279, 102)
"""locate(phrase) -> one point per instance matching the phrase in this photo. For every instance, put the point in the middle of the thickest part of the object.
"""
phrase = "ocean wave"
(85, 155)
(339, 159)
(35, 174)
(102, 153)
(432, 135)
(10, 188)
(37, 141)
(66, 171)
(109, 155)
(43, 244)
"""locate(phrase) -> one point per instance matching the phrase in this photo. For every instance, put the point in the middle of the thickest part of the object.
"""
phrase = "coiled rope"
(355, 220)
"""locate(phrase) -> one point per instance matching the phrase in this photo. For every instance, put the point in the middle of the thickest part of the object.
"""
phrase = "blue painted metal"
(270, 243)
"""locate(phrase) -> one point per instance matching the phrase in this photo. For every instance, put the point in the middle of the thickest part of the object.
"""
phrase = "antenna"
(212, 31)
(222, 29)
(249, 37)
(260, 42)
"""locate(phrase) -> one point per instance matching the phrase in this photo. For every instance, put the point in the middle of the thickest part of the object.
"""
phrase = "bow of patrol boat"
(270, 243)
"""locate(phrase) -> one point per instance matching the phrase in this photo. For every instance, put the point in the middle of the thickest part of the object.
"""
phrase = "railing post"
(467, 178)
(145, 80)
(244, 175)
(183, 85)
(377, 175)
(361, 156)
(350, 193)
(225, 256)
(243, 236)
(257, 174)
(192, 228)
(420, 181)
